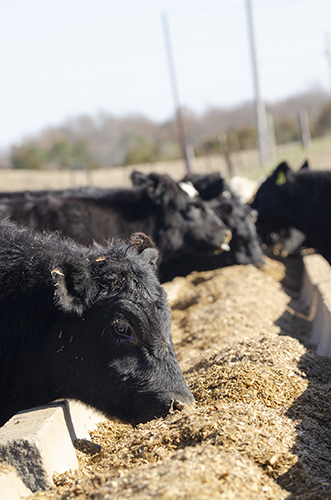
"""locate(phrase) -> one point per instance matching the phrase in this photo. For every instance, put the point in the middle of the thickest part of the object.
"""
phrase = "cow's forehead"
(125, 272)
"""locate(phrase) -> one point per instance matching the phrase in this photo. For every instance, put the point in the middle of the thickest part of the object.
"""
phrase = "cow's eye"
(124, 331)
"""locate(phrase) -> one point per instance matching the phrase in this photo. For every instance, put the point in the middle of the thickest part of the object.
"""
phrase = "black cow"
(299, 200)
(284, 241)
(31, 195)
(178, 224)
(91, 324)
(239, 217)
(244, 247)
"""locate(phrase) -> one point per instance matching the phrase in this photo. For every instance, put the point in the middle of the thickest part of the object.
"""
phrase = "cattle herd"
(82, 311)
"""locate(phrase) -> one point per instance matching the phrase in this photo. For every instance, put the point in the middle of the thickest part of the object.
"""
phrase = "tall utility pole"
(175, 94)
(261, 115)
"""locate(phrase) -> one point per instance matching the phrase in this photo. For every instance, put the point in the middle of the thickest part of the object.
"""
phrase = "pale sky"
(65, 58)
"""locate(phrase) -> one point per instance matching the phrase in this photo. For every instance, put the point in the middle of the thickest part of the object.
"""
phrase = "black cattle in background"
(244, 247)
(239, 217)
(179, 225)
(91, 324)
(31, 195)
(299, 200)
(285, 241)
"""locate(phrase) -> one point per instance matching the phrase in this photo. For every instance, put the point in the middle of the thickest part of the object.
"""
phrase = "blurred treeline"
(105, 140)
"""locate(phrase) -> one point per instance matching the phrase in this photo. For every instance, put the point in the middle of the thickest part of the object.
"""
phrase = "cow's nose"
(225, 243)
(227, 237)
(253, 214)
(179, 401)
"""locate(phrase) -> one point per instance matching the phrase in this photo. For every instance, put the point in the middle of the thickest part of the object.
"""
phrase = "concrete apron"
(316, 294)
(37, 442)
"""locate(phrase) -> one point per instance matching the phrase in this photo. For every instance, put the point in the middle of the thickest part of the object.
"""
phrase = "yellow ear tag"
(281, 179)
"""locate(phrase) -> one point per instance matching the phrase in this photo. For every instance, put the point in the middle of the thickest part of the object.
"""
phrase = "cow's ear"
(73, 287)
(160, 189)
(150, 257)
(281, 173)
(140, 241)
(305, 165)
(145, 246)
(188, 188)
(138, 178)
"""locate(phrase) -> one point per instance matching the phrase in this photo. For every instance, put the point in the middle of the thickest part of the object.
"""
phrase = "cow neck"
(301, 195)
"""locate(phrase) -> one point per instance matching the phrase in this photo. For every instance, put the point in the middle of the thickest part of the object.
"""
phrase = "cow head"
(244, 247)
(111, 344)
(272, 201)
(188, 225)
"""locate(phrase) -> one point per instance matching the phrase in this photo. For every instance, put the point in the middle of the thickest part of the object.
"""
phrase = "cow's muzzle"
(225, 247)
(180, 400)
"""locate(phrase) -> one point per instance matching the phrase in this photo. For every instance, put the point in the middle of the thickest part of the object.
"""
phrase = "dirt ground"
(260, 424)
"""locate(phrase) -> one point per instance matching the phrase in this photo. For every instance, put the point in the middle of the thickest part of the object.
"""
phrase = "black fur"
(299, 200)
(178, 224)
(91, 324)
(238, 217)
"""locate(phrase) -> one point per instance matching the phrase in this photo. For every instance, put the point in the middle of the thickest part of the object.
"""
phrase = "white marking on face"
(189, 189)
